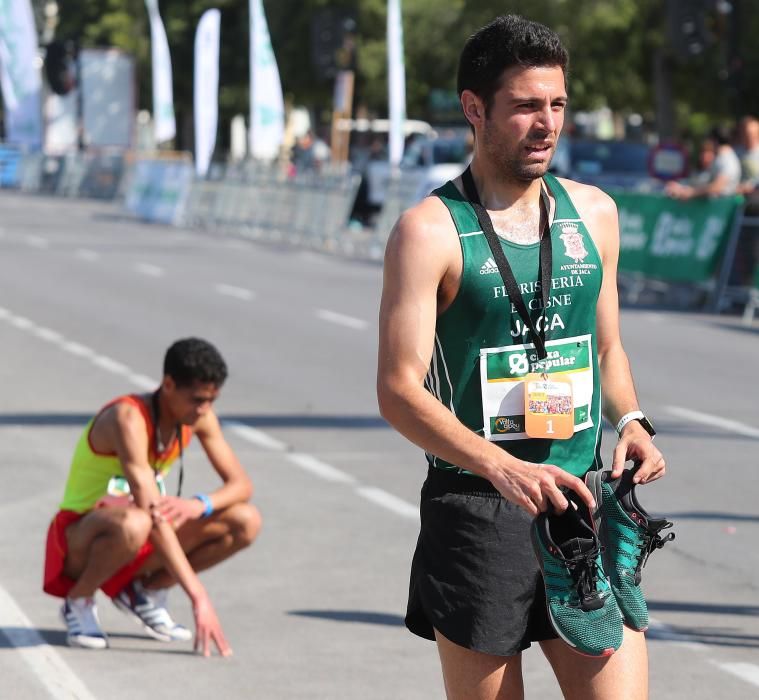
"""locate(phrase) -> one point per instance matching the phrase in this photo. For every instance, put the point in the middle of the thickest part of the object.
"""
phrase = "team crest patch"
(573, 242)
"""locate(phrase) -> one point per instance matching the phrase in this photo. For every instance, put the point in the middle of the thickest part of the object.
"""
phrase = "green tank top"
(481, 317)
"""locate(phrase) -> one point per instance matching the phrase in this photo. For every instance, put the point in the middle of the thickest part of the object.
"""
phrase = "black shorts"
(475, 577)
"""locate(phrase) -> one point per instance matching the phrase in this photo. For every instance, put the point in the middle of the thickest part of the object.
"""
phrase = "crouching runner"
(119, 531)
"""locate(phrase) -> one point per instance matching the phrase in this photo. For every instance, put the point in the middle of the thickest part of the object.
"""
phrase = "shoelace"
(585, 575)
(650, 542)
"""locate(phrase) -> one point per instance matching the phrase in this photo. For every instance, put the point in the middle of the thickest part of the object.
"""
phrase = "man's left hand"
(636, 444)
(177, 511)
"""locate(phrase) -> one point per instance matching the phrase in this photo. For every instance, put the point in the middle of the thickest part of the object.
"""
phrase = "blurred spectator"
(748, 135)
(365, 209)
(309, 153)
(720, 170)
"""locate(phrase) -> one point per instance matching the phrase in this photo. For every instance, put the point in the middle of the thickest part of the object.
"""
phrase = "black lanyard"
(157, 416)
(507, 275)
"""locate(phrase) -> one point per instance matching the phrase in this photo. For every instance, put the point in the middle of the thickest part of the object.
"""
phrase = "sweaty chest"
(482, 303)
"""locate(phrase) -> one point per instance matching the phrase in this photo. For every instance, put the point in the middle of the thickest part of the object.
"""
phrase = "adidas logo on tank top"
(489, 267)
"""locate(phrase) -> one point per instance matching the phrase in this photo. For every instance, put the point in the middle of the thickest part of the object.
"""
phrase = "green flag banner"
(673, 240)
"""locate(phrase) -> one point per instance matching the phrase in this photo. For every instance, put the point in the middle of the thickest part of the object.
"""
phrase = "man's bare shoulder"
(115, 422)
(428, 222)
(590, 201)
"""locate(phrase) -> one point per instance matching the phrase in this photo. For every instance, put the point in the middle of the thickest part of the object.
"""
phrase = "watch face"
(649, 428)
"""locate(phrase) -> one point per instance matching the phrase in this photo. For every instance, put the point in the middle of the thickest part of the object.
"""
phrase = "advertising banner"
(672, 240)
(206, 88)
(267, 107)
(163, 95)
(158, 189)
(396, 71)
(20, 79)
(108, 97)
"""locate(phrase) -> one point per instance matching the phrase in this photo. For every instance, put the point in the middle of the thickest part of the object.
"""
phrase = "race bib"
(503, 372)
(548, 407)
(119, 486)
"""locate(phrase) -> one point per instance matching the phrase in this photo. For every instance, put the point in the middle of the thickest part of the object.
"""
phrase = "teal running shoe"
(629, 535)
(581, 606)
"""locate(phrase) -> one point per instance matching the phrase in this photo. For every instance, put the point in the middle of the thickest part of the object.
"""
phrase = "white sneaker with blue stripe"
(80, 616)
(148, 608)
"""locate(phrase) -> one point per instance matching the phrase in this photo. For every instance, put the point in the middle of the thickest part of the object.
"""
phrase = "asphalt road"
(89, 300)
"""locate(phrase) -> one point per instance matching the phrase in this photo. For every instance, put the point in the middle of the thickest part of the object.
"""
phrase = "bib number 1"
(548, 407)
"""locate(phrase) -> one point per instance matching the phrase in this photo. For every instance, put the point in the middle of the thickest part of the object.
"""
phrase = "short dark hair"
(191, 360)
(509, 40)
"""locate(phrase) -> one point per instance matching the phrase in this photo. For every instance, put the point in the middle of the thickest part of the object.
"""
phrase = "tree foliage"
(612, 45)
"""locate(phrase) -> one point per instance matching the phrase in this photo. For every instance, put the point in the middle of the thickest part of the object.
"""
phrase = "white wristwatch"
(638, 416)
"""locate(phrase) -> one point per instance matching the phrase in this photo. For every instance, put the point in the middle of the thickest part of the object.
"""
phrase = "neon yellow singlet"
(91, 471)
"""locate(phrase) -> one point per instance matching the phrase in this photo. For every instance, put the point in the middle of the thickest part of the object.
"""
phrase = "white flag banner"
(396, 71)
(164, 124)
(20, 79)
(206, 88)
(267, 107)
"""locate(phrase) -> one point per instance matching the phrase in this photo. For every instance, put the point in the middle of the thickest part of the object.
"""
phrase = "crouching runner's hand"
(177, 511)
(208, 628)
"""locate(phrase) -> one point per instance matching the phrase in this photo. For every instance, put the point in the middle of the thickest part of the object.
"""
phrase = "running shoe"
(580, 603)
(630, 535)
(148, 608)
(80, 616)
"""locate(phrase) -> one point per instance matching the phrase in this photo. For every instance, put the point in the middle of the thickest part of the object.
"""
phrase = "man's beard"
(510, 165)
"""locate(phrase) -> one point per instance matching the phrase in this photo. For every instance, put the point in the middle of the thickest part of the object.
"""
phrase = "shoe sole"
(606, 652)
(147, 628)
(606, 554)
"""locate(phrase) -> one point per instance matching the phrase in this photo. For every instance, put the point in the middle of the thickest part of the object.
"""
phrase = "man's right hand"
(533, 486)
(208, 628)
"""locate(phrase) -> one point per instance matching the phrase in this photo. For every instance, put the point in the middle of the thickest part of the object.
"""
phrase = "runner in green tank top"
(454, 352)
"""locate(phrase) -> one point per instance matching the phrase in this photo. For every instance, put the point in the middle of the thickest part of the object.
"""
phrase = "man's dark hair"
(191, 360)
(509, 40)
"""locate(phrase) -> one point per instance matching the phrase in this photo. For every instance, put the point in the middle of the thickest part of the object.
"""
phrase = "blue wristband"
(208, 509)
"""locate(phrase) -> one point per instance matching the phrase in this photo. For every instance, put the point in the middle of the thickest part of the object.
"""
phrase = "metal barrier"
(92, 174)
(309, 210)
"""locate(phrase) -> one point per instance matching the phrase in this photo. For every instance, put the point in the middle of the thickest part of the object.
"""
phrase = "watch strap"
(631, 416)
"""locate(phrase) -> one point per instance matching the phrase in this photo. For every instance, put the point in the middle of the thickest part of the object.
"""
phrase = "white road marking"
(341, 319)
(257, 437)
(47, 334)
(389, 501)
(37, 241)
(715, 421)
(87, 254)
(4, 313)
(744, 671)
(236, 292)
(46, 664)
(149, 270)
(77, 349)
(142, 381)
(22, 322)
(110, 365)
(318, 468)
